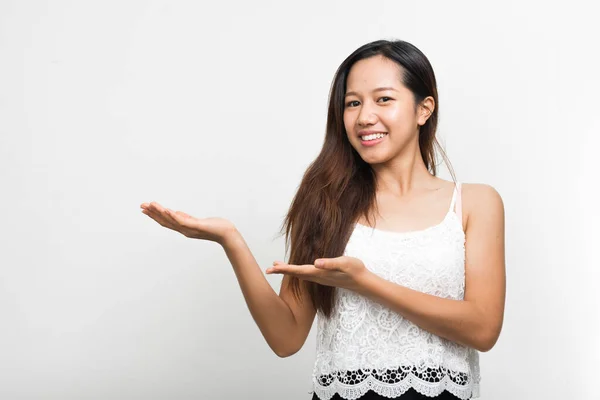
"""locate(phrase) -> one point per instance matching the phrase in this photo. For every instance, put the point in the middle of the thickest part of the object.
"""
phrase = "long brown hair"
(339, 186)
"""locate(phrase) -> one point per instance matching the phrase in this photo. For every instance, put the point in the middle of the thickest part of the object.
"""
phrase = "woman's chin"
(374, 158)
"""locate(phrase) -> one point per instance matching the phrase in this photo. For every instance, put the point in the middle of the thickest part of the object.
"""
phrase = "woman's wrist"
(231, 238)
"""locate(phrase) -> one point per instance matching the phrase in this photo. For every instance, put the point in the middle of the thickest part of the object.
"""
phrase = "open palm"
(213, 229)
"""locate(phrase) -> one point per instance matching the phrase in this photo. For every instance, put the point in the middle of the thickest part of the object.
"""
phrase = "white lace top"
(367, 346)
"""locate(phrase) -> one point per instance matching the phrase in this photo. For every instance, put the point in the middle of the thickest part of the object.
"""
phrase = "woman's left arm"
(477, 320)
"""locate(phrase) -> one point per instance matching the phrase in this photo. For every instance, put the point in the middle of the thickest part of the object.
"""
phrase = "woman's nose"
(366, 117)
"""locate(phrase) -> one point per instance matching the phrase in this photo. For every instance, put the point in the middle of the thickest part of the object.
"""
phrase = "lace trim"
(351, 385)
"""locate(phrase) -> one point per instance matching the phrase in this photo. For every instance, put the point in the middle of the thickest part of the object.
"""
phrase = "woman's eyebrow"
(379, 89)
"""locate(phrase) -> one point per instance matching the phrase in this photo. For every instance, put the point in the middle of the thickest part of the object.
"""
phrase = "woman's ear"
(425, 110)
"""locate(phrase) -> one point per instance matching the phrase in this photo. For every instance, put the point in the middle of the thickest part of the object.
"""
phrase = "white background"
(217, 109)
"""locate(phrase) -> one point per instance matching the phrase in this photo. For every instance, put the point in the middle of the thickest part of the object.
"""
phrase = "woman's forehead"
(374, 73)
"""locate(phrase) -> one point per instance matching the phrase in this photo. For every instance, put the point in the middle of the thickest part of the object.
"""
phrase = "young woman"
(404, 270)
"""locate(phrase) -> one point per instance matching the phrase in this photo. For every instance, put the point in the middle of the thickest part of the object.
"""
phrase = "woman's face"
(379, 107)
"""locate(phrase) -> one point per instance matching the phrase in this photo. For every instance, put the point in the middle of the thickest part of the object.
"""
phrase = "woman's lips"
(369, 143)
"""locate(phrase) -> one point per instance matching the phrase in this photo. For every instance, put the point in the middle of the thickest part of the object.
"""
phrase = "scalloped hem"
(353, 392)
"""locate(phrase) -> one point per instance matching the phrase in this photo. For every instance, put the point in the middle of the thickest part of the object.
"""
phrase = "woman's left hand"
(345, 272)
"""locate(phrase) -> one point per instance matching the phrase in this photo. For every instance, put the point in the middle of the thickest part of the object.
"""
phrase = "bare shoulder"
(480, 200)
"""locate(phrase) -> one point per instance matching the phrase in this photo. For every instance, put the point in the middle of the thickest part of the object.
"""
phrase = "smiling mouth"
(372, 137)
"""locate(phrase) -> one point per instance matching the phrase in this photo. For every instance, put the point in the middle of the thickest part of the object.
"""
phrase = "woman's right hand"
(213, 229)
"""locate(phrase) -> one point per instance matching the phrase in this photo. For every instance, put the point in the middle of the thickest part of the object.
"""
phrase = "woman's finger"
(168, 214)
(158, 214)
(178, 221)
(179, 218)
(161, 220)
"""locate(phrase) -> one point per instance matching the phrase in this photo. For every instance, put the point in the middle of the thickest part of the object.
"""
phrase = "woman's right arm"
(283, 321)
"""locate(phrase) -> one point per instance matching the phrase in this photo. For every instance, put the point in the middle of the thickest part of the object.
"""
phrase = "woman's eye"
(387, 98)
(351, 103)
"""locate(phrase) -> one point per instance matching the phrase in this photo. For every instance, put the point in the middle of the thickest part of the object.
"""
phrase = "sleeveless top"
(366, 346)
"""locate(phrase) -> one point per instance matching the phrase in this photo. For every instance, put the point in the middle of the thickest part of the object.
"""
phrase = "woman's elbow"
(284, 353)
(286, 348)
(487, 340)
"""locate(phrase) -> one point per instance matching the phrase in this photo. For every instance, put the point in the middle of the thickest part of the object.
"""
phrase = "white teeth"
(373, 136)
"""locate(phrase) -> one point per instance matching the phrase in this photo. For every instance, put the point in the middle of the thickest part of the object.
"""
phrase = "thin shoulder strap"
(457, 198)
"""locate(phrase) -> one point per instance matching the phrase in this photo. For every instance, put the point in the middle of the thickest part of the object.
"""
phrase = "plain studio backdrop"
(217, 109)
